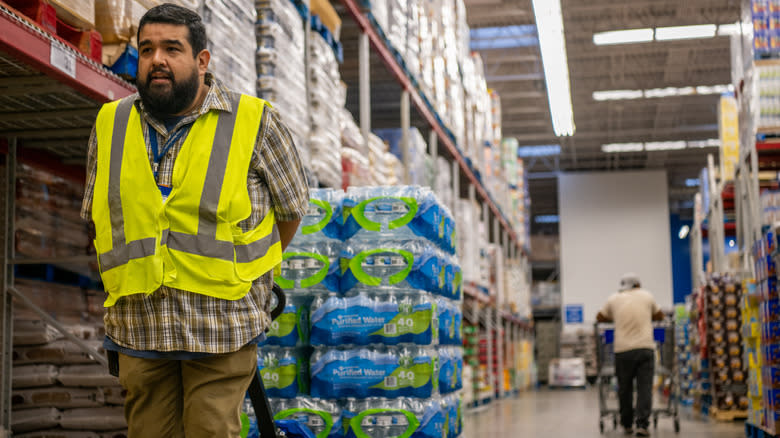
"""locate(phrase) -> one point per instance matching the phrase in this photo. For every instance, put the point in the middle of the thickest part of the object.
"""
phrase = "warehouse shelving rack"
(62, 90)
(50, 96)
(393, 88)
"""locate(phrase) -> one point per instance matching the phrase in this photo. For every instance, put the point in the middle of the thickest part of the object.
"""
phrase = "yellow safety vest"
(192, 241)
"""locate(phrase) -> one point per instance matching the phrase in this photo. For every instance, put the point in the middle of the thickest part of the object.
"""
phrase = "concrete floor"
(572, 413)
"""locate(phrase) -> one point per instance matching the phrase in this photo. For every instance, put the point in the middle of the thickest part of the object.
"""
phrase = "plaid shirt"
(175, 320)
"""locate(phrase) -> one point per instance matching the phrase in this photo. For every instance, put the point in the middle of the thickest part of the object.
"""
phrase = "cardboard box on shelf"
(328, 15)
(113, 19)
(77, 13)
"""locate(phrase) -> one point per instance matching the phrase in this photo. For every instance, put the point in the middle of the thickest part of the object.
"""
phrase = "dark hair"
(169, 13)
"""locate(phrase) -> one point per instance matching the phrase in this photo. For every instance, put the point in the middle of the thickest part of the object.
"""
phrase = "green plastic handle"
(306, 282)
(356, 265)
(357, 426)
(359, 213)
(315, 228)
(322, 414)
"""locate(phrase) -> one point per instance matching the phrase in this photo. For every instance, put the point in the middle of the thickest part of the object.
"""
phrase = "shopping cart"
(665, 371)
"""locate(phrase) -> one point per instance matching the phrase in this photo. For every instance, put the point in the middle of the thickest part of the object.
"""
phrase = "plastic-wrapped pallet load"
(365, 263)
(231, 23)
(355, 161)
(327, 96)
(417, 151)
(281, 71)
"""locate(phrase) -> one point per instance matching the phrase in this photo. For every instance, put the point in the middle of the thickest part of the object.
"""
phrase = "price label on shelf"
(63, 59)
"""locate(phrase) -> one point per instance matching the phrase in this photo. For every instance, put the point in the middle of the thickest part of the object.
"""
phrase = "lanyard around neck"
(172, 139)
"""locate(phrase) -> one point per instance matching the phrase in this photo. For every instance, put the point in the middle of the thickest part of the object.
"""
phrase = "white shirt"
(632, 312)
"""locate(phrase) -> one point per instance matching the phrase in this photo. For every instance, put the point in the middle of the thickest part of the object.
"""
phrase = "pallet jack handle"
(265, 417)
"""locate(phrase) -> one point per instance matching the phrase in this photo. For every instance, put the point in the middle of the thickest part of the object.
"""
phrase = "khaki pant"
(190, 398)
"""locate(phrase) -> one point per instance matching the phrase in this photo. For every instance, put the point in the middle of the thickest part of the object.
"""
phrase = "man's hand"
(287, 232)
(601, 318)
(658, 316)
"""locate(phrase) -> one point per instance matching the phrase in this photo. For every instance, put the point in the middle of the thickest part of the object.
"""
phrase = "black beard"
(163, 104)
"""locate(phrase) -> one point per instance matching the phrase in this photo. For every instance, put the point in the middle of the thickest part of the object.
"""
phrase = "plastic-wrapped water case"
(284, 371)
(311, 267)
(322, 417)
(291, 327)
(374, 318)
(391, 266)
(373, 372)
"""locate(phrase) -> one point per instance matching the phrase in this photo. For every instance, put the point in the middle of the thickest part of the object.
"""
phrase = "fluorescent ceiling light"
(646, 35)
(729, 29)
(549, 24)
(623, 37)
(711, 143)
(539, 151)
(685, 32)
(547, 219)
(664, 145)
(702, 90)
(684, 230)
(617, 95)
(692, 182)
(623, 147)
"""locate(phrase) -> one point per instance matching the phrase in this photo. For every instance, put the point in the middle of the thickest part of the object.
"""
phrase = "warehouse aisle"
(572, 413)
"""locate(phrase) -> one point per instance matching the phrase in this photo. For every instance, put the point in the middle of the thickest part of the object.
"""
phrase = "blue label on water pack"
(450, 369)
(360, 320)
(433, 423)
(283, 377)
(450, 323)
(363, 373)
(290, 328)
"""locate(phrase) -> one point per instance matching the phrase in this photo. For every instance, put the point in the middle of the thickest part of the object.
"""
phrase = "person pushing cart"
(633, 311)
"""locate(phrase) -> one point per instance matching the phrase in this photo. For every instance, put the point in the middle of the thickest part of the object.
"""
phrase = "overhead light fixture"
(646, 35)
(664, 146)
(623, 147)
(692, 182)
(711, 143)
(549, 24)
(623, 37)
(654, 146)
(547, 219)
(617, 95)
(729, 29)
(685, 32)
(684, 230)
(652, 93)
(539, 151)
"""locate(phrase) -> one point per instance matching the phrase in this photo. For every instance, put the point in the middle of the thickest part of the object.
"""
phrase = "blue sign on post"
(574, 314)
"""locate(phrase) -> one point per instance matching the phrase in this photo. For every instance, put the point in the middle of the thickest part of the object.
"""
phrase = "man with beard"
(194, 191)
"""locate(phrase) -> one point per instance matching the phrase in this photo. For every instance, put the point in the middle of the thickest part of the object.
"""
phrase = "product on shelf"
(327, 96)
(281, 72)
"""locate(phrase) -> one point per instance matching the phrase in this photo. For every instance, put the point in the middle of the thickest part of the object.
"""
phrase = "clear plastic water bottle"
(311, 267)
(321, 416)
(291, 327)
(284, 371)
(376, 317)
(249, 420)
(383, 418)
(395, 266)
(324, 218)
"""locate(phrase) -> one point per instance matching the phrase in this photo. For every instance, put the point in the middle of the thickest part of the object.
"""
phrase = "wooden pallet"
(728, 415)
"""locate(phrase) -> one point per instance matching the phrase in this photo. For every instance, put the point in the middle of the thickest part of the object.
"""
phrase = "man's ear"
(203, 58)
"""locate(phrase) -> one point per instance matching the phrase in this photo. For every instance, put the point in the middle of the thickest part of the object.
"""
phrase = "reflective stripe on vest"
(249, 255)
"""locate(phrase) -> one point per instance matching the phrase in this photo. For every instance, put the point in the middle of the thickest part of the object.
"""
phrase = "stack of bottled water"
(377, 271)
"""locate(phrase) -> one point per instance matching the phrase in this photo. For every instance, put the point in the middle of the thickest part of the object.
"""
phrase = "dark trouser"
(639, 365)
